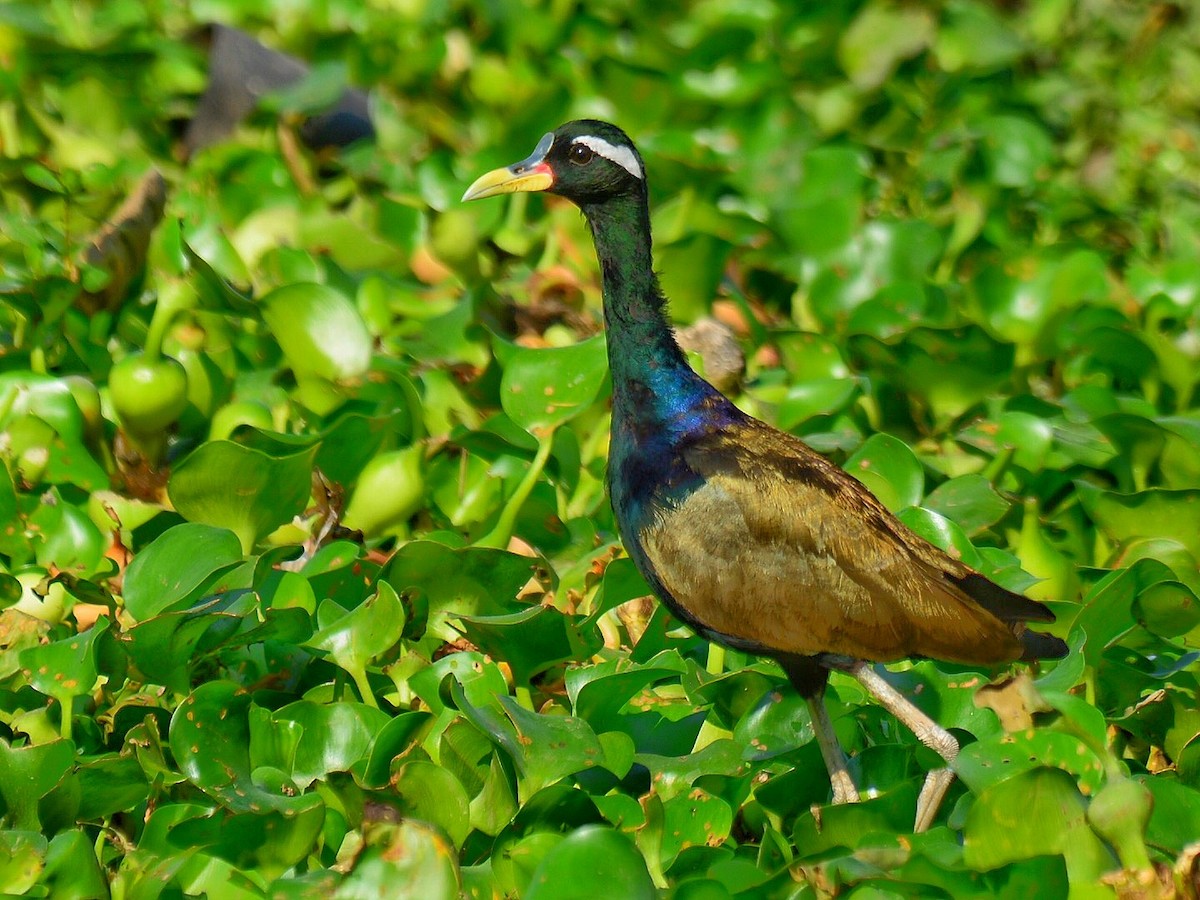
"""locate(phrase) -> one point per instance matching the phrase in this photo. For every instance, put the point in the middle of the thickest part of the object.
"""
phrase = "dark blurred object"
(119, 247)
(241, 71)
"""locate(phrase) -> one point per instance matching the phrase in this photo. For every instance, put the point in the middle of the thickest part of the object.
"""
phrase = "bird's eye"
(580, 154)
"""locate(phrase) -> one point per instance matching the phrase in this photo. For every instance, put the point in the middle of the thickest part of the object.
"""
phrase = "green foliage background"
(960, 242)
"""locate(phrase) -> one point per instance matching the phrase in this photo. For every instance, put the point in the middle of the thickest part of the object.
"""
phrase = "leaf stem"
(173, 298)
(64, 726)
(716, 659)
(502, 532)
(359, 674)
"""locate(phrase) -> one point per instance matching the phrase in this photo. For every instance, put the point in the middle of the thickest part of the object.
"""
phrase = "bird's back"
(762, 543)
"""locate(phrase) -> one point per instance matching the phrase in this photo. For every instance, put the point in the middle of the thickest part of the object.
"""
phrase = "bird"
(743, 531)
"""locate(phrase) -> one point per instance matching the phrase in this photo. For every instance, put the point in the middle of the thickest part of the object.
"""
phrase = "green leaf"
(411, 854)
(67, 668)
(1038, 812)
(22, 859)
(1017, 149)
(178, 568)
(970, 501)
(591, 863)
(1147, 514)
(334, 736)
(882, 35)
(323, 338)
(353, 639)
(430, 793)
(987, 762)
(890, 470)
(541, 389)
(28, 775)
(72, 869)
(210, 739)
(530, 641)
(777, 724)
(247, 491)
(471, 581)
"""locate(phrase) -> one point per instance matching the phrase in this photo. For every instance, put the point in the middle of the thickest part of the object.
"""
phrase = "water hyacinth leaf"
(943, 533)
(390, 489)
(691, 270)
(890, 469)
(1038, 812)
(356, 436)
(541, 389)
(1169, 609)
(544, 748)
(409, 853)
(882, 253)
(675, 776)
(70, 540)
(778, 723)
(517, 859)
(353, 639)
(478, 678)
(72, 869)
(1107, 611)
(334, 736)
(324, 339)
(856, 824)
(472, 581)
(894, 309)
(623, 700)
(1016, 148)
(820, 215)
(431, 794)
(213, 291)
(174, 570)
(975, 38)
(987, 762)
(951, 370)
(22, 859)
(820, 397)
(247, 491)
(1175, 816)
(273, 743)
(970, 501)
(398, 736)
(496, 803)
(269, 842)
(29, 774)
(210, 739)
(67, 668)
(592, 863)
(882, 36)
(1151, 513)
(319, 330)
(691, 820)
(167, 647)
(531, 641)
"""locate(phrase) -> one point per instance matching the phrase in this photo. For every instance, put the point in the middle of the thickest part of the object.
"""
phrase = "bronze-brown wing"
(780, 548)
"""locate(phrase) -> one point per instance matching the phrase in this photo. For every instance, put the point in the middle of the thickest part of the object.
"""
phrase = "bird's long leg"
(844, 790)
(927, 731)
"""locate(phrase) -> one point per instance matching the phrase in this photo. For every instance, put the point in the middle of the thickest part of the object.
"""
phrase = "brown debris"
(119, 248)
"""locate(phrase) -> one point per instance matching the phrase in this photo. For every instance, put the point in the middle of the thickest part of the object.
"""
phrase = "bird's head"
(586, 161)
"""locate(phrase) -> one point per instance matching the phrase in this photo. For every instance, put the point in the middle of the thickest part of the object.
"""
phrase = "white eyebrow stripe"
(622, 156)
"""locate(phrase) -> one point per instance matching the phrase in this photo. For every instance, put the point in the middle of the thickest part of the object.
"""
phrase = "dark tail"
(1036, 645)
(1014, 611)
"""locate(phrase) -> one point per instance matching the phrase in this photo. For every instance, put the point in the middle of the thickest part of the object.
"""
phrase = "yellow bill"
(532, 174)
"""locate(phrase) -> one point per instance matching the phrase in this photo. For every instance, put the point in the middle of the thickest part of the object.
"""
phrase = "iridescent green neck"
(640, 341)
